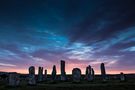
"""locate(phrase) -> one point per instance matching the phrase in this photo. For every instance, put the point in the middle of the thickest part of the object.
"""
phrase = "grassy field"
(83, 85)
(97, 84)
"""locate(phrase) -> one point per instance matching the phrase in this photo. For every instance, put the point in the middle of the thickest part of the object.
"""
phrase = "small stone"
(31, 78)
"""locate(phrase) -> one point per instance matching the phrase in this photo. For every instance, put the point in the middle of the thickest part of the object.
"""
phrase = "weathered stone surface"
(45, 75)
(14, 79)
(63, 73)
(31, 78)
(76, 75)
(89, 73)
(40, 74)
(54, 72)
(103, 72)
(122, 77)
(93, 73)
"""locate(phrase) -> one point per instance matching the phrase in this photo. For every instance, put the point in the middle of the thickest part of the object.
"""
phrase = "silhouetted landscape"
(65, 81)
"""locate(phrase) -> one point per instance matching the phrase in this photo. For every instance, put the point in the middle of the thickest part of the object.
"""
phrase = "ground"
(97, 84)
(83, 85)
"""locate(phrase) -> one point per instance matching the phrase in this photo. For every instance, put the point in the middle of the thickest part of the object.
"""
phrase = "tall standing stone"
(63, 73)
(40, 74)
(76, 75)
(93, 73)
(31, 78)
(103, 72)
(14, 79)
(89, 73)
(54, 72)
(86, 72)
(45, 75)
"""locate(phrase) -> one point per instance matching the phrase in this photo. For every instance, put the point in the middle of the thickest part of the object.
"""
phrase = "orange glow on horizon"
(68, 71)
(68, 68)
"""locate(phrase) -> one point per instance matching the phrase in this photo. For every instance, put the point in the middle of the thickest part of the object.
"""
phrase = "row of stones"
(76, 75)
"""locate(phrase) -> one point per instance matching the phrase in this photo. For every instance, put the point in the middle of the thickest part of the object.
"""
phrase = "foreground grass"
(112, 85)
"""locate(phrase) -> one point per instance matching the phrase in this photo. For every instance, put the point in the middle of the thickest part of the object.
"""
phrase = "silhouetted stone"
(103, 72)
(76, 75)
(86, 72)
(14, 79)
(89, 73)
(31, 78)
(93, 73)
(40, 74)
(63, 73)
(45, 75)
(122, 76)
(54, 72)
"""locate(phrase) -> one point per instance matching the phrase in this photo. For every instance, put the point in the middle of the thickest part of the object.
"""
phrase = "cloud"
(7, 65)
(81, 32)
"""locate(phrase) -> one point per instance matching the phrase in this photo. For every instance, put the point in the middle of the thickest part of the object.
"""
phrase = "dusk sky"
(81, 32)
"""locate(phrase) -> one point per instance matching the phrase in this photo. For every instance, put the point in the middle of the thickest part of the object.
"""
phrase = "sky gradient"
(81, 32)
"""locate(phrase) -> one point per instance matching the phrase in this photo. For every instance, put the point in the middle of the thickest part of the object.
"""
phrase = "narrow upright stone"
(86, 72)
(63, 73)
(31, 78)
(54, 72)
(45, 75)
(14, 79)
(76, 75)
(40, 74)
(93, 73)
(103, 72)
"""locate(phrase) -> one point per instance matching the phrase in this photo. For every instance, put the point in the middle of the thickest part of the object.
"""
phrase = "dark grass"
(83, 85)
(97, 84)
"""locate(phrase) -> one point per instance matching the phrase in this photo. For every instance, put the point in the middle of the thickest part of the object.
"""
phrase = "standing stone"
(40, 74)
(14, 79)
(54, 72)
(31, 78)
(76, 75)
(89, 73)
(45, 75)
(103, 72)
(93, 73)
(86, 72)
(122, 76)
(63, 73)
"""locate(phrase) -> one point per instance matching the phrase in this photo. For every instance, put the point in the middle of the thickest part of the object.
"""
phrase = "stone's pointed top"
(54, 66)
(62, 61)
(102, 63)
(92, 69)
